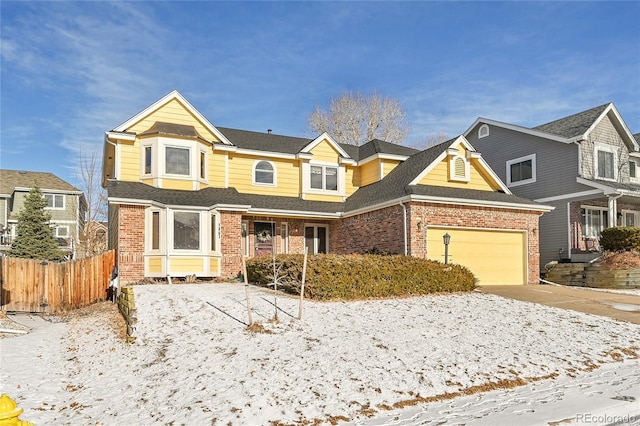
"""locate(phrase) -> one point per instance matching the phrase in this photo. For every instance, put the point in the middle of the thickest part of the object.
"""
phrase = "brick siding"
(131, 243)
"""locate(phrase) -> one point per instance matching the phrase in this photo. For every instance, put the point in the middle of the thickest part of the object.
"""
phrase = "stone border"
(127, 307)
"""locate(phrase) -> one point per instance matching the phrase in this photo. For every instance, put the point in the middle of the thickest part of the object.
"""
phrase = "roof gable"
(326, 139)
(574, 125)
(173, 98)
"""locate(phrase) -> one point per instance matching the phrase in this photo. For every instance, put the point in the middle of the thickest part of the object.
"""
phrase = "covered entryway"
(496, 257)
(264, 232)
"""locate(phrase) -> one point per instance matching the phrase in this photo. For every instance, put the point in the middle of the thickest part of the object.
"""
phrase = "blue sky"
(72, 70)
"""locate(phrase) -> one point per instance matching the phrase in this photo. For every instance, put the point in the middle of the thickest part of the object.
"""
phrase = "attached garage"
(496, 257)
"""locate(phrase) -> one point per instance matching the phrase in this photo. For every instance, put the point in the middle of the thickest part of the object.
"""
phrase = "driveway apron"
(623, 307)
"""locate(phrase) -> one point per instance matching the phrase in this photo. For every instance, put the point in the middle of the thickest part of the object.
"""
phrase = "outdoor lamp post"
(447, 239)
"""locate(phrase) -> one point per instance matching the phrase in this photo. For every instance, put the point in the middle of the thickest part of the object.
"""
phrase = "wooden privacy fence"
(29, 285)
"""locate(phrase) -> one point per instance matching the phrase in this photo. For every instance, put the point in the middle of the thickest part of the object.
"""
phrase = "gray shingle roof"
(573, 125)
(270, 142)
(10, 179)
(637, 137)
(211, 196)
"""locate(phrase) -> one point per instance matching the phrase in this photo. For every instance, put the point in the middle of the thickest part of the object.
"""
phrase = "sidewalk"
(623, 307)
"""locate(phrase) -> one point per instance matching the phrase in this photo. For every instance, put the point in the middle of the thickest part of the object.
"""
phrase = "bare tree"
(355, 119)
(93, 235)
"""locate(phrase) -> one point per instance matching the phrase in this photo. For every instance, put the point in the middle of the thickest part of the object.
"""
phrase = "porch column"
(613, 209)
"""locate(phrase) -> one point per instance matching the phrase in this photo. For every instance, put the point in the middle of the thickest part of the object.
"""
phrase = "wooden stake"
(246, 287)
(304, 275)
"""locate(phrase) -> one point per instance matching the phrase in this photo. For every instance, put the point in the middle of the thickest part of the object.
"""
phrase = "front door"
(263, 232)
(315, 239)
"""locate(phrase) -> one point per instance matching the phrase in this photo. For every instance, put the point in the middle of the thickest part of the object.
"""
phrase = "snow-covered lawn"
(399, 361)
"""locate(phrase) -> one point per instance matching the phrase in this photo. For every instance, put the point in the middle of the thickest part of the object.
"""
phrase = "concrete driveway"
(623, 307)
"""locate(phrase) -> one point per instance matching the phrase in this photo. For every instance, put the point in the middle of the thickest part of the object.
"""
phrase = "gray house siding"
(554, 233)
(556, 162)
(604, 133)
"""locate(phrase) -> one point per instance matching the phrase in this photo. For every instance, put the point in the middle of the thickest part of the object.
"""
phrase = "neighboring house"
(189, 198)
(586, 165)
(65, 203)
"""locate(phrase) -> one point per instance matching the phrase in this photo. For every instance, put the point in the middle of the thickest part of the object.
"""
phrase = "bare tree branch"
(355, 119)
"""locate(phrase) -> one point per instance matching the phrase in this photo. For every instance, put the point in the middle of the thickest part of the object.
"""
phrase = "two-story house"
(189, 198)
(586, 165)
(65, 203)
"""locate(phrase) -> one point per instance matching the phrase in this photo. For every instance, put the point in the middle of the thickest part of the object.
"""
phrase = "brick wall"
(231, 243)
(131, 243)
(383, 229)
(477, 217)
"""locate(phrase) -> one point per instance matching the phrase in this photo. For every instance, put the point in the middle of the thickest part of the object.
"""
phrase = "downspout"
(166, 243)
(404, 225)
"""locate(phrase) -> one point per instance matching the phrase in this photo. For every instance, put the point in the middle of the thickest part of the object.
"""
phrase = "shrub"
(620, 238)
(352, 277)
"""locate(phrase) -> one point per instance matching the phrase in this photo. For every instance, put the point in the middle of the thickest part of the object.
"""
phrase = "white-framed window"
(202, 163)
(594, 221)
(148, 159)
(264, 173)
(316, 238)
(215, 231)
(54, 201)
(522, 170)
(177, 161)
(61, 231)
(155, 230)
(284, 238)
(323, 177)
(633, 170)
(186, 230)
(630, 218)
(483, 131)
(605, 160)
(459, 168)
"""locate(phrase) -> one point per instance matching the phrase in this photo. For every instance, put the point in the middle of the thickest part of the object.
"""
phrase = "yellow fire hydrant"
(9, 413)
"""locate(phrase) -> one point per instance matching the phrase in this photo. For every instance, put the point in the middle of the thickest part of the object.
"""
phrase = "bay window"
(177, 161)
(186, 230)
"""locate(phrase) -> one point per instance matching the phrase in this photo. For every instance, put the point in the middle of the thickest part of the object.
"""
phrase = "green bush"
(353, 277)
(620, 238)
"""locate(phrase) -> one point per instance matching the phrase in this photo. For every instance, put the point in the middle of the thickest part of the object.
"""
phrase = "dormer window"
(483, 131)
(264, 173)
(324, 178)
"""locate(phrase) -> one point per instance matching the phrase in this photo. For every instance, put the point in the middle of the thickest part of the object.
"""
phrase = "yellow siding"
(189, 265)
(352, 177)
(494, 257)
(287, 176)
(370, 172)
(318, 197)
(439, 176)
(325, 152)
(214, 265)
(216, 168)
(147, 181)
(389, 165)
(129, 161)
(155, 265)
(172, 112)
(177, 184)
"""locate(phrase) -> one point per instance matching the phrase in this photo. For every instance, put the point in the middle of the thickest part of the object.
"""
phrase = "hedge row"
(353, 277)
(620, 238)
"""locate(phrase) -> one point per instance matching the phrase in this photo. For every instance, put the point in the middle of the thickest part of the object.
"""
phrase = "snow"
(195, 362)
